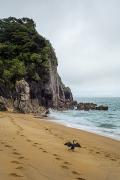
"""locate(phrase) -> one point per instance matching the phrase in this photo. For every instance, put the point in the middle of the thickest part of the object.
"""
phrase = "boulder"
(22, 96)
(23, 101)
(3, 104)
(91, 106)
(75, 103)
(102, 108)
(86, 106)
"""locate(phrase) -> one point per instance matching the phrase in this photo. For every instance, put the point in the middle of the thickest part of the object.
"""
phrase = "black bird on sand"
(72, 145)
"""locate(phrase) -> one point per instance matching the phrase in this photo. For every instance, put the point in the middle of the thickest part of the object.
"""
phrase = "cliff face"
(28, 69)
(56, 91)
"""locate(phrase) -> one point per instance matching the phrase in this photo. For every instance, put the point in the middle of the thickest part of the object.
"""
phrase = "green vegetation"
(23, 52)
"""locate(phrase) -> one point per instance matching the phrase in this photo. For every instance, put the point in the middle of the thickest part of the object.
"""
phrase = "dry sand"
(33, 149)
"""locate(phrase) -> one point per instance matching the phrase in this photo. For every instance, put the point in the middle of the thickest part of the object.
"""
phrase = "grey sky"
(86, 37)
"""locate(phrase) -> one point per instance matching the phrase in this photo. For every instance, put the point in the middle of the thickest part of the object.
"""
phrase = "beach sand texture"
(33, 149)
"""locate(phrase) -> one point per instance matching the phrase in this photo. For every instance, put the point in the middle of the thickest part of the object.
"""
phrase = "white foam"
(85, 121)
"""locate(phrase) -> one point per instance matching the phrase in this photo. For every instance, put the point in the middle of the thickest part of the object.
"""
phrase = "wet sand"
(32, 148)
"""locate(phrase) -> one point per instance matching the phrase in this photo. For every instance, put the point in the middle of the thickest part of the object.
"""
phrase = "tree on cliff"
(23, 52)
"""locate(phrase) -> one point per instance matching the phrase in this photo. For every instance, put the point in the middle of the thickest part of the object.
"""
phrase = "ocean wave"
(103, 123)
(106, 125)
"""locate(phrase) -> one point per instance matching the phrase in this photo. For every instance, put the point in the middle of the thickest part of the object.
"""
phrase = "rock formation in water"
(28, 69)
(91, 106)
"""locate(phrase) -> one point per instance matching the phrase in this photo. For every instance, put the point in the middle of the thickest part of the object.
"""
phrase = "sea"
(105, 123)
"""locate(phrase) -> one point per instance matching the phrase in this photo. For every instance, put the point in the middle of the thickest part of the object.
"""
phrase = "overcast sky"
(86, 37)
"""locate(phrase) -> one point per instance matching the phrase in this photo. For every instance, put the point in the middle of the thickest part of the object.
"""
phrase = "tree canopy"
(23, 52)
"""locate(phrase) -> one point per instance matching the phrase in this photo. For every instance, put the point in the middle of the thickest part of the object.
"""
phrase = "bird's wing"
(69, 144)
(77, 145)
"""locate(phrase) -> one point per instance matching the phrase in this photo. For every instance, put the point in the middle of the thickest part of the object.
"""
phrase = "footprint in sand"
(22, 135)
(58, 158)
(21, 157)
(45, 151)
(66, 162)
(91, 150)
(15, 175)
(36, 143)
(107, 155)
(55, 155)
(46, 129)
(97, 152)
(18, 132)
(113, 159)
(19, 167)
(65, 167)
(14, 149)
(2, 142)
(16, 162)
(75, 172)
(16, 153)
(28, 140)
(8, 146)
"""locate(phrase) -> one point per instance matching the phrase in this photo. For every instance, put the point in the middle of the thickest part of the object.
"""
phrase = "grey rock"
(91, 106)
(3, 104)
(86, 106)
(23, 101)
(102, 108)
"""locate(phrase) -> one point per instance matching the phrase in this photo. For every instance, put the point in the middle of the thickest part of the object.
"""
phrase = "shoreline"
(83, 130)
(33, 148)
(92, 129)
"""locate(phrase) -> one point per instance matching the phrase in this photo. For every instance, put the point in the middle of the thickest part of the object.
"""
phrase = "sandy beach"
(33, 149)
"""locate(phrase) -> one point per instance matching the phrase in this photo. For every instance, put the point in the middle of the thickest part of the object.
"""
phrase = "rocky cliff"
(28, 69)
